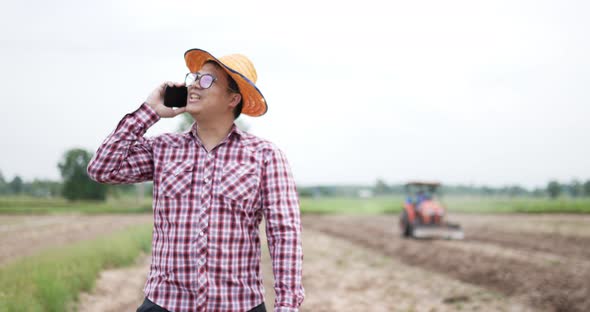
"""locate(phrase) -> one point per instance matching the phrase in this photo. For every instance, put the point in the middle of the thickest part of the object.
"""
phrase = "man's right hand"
(156, 101)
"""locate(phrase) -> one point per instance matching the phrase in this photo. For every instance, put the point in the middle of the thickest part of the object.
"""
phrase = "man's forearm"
(283, 224)
(126, 156)
(287, 258)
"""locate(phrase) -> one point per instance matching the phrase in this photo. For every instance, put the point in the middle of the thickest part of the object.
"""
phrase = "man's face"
(214, 101)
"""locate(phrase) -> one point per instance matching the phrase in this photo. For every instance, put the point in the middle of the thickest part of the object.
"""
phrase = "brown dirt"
(22, 236)
(338, 276)
(564, 235)
(342, 276)
(360, 263)
(117, 290)
(568, 225)
(557, 279)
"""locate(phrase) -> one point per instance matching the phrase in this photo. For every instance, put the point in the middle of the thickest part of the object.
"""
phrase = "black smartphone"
(175, 96)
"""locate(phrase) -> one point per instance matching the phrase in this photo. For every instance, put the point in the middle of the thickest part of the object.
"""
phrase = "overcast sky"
(483, 92)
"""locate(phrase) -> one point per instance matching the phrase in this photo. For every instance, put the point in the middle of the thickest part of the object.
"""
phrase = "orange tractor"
(424, 216)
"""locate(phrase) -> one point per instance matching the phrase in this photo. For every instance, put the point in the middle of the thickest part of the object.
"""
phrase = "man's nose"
(194, 85)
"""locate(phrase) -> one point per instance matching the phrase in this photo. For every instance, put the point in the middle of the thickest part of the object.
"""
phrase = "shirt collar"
(234, 133)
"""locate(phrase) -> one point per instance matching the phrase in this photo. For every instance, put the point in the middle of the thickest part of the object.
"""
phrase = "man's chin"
(193, 109)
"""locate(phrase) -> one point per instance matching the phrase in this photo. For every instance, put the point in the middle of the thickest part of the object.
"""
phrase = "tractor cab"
(420, 194)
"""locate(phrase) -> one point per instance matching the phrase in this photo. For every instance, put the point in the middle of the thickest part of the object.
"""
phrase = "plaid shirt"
(207, 210)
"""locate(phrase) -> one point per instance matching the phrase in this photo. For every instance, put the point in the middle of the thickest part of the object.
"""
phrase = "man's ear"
(235, 100)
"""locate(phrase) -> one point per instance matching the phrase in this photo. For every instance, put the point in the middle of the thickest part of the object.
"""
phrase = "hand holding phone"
(162, 102)
(175, 96)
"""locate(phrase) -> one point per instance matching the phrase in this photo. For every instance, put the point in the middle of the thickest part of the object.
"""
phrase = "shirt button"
(201, 233)
(206, 180)
(210, 155)
(202, 261)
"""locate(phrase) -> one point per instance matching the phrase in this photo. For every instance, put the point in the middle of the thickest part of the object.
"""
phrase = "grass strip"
(31, 205)
(322, 205)
(465, 204)
(351, 205)
(52, 280)
(516, 205)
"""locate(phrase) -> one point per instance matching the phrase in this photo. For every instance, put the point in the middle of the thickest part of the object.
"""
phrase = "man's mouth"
(194, 97)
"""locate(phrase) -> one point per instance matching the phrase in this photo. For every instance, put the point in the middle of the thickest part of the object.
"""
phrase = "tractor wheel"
(407, 227)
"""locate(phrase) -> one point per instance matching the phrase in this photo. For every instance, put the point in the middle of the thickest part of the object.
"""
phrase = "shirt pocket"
(177, 178)
(239, 181)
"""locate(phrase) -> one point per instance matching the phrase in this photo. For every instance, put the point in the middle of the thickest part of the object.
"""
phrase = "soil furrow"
(559, 287)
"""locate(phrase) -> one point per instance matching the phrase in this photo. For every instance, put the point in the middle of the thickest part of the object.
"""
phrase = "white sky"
(484, 92)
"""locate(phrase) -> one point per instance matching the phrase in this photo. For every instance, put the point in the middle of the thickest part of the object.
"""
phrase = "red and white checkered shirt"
(207, 210)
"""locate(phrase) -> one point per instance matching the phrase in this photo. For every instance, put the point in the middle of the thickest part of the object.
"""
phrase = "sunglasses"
(205, 81)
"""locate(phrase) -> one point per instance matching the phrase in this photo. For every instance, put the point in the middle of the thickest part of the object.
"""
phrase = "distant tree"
(305, 191)
(586, 188)
(16, 185)
(576, 188)
(325, 190)
(77, 184)
(516, 190)
(553, 189)
(539, 192)
(398, 189)
(381, 187)
(3, 185)
(44, 188)
(487, 191)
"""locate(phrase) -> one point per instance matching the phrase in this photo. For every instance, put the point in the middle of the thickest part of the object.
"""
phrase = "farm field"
(508, 262)
(541, 260)
(22, 236)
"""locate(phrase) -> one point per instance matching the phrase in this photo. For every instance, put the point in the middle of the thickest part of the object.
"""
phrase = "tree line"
(76, 185)
(553, 189)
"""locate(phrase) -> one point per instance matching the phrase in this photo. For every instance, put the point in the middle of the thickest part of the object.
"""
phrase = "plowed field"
(360, 263)
(543, 260)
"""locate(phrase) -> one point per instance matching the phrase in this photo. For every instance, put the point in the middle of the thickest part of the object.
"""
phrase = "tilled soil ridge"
(558, 286)
(338, 276)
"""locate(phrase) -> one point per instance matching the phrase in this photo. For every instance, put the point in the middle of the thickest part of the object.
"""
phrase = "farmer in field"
(212, 186)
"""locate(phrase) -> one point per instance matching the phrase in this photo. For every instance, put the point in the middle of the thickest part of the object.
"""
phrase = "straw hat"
(241, 69)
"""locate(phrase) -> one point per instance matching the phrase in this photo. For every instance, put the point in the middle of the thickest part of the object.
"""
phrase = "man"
(212, 186)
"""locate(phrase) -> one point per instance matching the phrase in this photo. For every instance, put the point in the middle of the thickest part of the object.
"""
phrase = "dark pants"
(148, 306)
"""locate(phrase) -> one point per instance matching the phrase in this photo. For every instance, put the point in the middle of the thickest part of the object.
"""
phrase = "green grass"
(51, 281)
(377, 205)
(517, 205)
(323, 205)
(350, 205)
(31, 205)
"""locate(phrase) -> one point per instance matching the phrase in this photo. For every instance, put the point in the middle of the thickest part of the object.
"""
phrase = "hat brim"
(253, 101)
